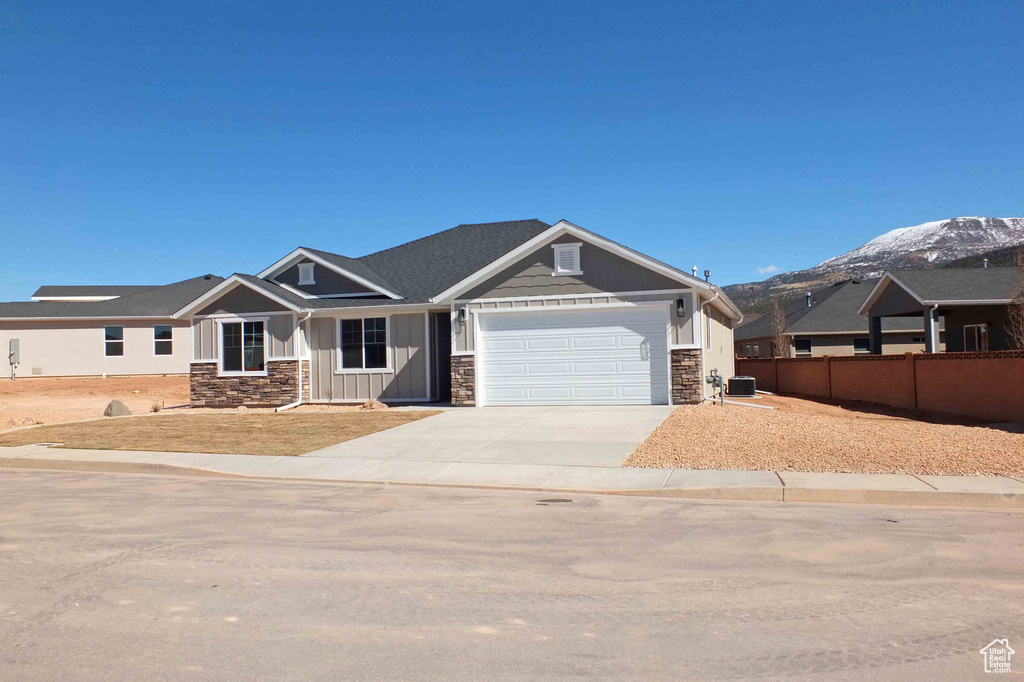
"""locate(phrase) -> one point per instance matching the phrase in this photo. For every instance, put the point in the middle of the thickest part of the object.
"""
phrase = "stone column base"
(463, 380)
(687, 376)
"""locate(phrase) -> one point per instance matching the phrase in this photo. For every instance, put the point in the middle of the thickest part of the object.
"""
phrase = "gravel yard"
(802, 435)
(53, 401)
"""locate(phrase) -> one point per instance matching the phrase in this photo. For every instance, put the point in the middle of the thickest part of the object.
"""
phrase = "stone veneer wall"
(278, 387)
(463, 380)
(306, 395)
(687, 376)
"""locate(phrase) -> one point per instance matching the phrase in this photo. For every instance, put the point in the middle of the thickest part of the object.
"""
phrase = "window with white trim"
(567, 259)
(975, 337)
(242, 348)
(862, 344)
(306, 273)
(803, 346)
(363, 343)
(162, 342)
(113, 341)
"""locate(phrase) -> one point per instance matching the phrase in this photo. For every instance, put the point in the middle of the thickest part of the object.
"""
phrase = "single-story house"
(100, 330)
(827, 322)
(972, 303)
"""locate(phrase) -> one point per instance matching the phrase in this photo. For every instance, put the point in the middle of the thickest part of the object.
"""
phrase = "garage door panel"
(593, 356)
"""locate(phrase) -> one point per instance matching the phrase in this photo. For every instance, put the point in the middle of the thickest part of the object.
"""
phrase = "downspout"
(932, 331)
(299, 360)
(704, 336)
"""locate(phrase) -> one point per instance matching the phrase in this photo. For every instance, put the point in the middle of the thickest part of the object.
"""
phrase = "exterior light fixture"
(681, 307)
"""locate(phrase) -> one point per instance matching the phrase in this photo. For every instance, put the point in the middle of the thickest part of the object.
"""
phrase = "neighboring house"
(100, 330)
(827, 322)
(508, 313)
(972, 303)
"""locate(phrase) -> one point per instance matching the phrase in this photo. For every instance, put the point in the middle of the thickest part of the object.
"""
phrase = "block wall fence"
(987, 386)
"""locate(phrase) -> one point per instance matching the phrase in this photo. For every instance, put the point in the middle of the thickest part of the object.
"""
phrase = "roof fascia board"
(226, 286)
(552, 233)
(879, 289)
(300, 252)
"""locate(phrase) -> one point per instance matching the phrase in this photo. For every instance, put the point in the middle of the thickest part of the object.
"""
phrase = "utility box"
(14, 356)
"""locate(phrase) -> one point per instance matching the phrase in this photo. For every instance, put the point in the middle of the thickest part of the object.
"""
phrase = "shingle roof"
(155, 301)
(427, 266)
(63, 290)
(954, 284)
(833, 309)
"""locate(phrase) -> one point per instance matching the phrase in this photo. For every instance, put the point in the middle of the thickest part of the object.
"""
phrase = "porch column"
(875, 334)
(931, 330)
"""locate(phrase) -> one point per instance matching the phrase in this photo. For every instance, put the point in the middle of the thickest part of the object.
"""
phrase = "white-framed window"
(975, 337)
(113, 341)
(803, 346)
(363, 344)
(306, 273)
(567, 259)
(918, 339)
(162, 342)
(243, 347)
(757, 350)
(862, 344)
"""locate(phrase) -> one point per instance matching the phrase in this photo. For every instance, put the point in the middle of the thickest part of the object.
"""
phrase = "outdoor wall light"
(681, 307)
(462, 317)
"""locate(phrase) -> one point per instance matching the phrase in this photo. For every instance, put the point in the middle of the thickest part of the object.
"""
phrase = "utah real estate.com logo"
(997, 656)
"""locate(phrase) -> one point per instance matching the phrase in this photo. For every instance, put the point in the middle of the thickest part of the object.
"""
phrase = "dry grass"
(802, 435)
(232, 433)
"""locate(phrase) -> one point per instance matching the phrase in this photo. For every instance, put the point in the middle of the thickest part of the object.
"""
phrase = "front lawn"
(267, 433)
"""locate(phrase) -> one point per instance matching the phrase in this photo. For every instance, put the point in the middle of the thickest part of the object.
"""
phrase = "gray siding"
(241, 300)
(407, 335)
(602, 271)
(327, 282)
(893, 300)
(280, 337)
(682, 327)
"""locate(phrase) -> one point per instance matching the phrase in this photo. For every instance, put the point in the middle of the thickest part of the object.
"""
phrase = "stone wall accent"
(463, 380)
(278, 387)
(687, 376)
(306, 395)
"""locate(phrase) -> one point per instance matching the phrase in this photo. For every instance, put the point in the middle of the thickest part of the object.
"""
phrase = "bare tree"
(780, 340)
(1015, 311)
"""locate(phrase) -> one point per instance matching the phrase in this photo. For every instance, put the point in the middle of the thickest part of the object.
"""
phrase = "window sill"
(382, 370)
(242, 374)
(567, 273)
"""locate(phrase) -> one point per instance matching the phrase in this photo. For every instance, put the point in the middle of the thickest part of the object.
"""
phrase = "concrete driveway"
(600, 436)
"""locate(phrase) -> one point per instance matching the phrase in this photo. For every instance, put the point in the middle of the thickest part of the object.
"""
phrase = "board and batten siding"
(681, 331)
(407, 380)
(280, 336)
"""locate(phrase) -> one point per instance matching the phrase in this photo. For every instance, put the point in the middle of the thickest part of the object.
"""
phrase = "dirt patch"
(53, 401)
(803, 435)
(240, 433)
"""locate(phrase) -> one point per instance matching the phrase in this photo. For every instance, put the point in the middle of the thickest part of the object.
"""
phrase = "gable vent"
(567, 259)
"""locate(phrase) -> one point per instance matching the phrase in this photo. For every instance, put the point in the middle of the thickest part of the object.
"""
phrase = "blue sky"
(146, 143)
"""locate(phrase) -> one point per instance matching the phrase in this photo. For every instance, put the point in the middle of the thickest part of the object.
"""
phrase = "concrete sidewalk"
(782, 486)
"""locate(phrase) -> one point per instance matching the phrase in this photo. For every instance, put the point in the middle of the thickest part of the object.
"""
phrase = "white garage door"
(581, 356)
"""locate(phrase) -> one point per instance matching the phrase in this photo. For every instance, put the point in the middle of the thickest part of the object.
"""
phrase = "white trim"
(555, 231)
(426, 345)
(463, 352)
(202, 362)
(683, 346)
(570, 309)
(980, 301)
(389, 368)
(598, 294)
(219, 316)
(83, 299)
(226, 286)
(307, 274)
(76, 318)
(219, 341)
(124, 346)
(300, 252)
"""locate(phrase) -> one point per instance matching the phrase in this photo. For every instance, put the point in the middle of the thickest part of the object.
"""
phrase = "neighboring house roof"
(833, 309)
(951, 286)
(154, 301)
(73, 291)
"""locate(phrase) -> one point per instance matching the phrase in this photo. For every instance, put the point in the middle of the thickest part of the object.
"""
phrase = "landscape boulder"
(116, 409)
(374, 405)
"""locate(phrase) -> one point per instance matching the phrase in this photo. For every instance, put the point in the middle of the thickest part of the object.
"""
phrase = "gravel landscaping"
(802, 435)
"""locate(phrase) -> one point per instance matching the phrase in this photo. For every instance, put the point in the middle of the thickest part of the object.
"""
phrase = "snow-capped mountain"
(907, 248)
(926, 245)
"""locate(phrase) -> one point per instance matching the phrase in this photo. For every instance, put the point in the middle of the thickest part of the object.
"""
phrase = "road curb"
(744, 494)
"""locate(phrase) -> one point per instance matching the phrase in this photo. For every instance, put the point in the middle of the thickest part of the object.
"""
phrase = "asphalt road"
(126, 577)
